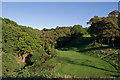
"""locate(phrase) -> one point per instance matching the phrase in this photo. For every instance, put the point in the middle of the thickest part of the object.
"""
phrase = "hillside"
(63, 52)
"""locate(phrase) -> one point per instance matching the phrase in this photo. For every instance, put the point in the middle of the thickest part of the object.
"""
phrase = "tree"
(105, 29)
(77, 30)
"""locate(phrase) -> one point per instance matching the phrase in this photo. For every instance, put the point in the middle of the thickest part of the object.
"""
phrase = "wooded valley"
(63, 52)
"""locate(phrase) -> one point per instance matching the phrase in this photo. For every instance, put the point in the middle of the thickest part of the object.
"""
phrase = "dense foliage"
(23, 43)
(32, 47)
(59, 36)
(106, 29)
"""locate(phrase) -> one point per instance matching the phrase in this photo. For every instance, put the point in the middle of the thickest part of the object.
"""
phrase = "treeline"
(106, 30)
(32, 47)
(59, 36)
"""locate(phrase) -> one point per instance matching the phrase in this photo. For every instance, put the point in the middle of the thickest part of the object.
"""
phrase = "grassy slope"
(75, 63)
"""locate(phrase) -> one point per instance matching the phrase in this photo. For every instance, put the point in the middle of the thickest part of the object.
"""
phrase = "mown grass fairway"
(75, 63)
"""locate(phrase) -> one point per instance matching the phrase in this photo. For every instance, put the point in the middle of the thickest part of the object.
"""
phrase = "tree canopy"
(105, 29)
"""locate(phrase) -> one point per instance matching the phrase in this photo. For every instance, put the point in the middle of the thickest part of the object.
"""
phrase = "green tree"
(77, 30)
(105, 29)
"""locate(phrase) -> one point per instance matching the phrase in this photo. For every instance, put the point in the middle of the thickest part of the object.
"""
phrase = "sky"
(60, 0)
(39, 15)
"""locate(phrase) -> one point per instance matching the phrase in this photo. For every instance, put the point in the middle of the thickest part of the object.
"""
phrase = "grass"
(75, 62)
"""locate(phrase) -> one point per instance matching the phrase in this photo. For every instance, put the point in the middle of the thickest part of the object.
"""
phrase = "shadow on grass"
(78, 43)
(115, 75)
(96, 48)
(81, 43)
(83, 64)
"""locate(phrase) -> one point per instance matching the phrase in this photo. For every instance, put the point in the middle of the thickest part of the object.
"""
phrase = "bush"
(9, 64)
(37, 54)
